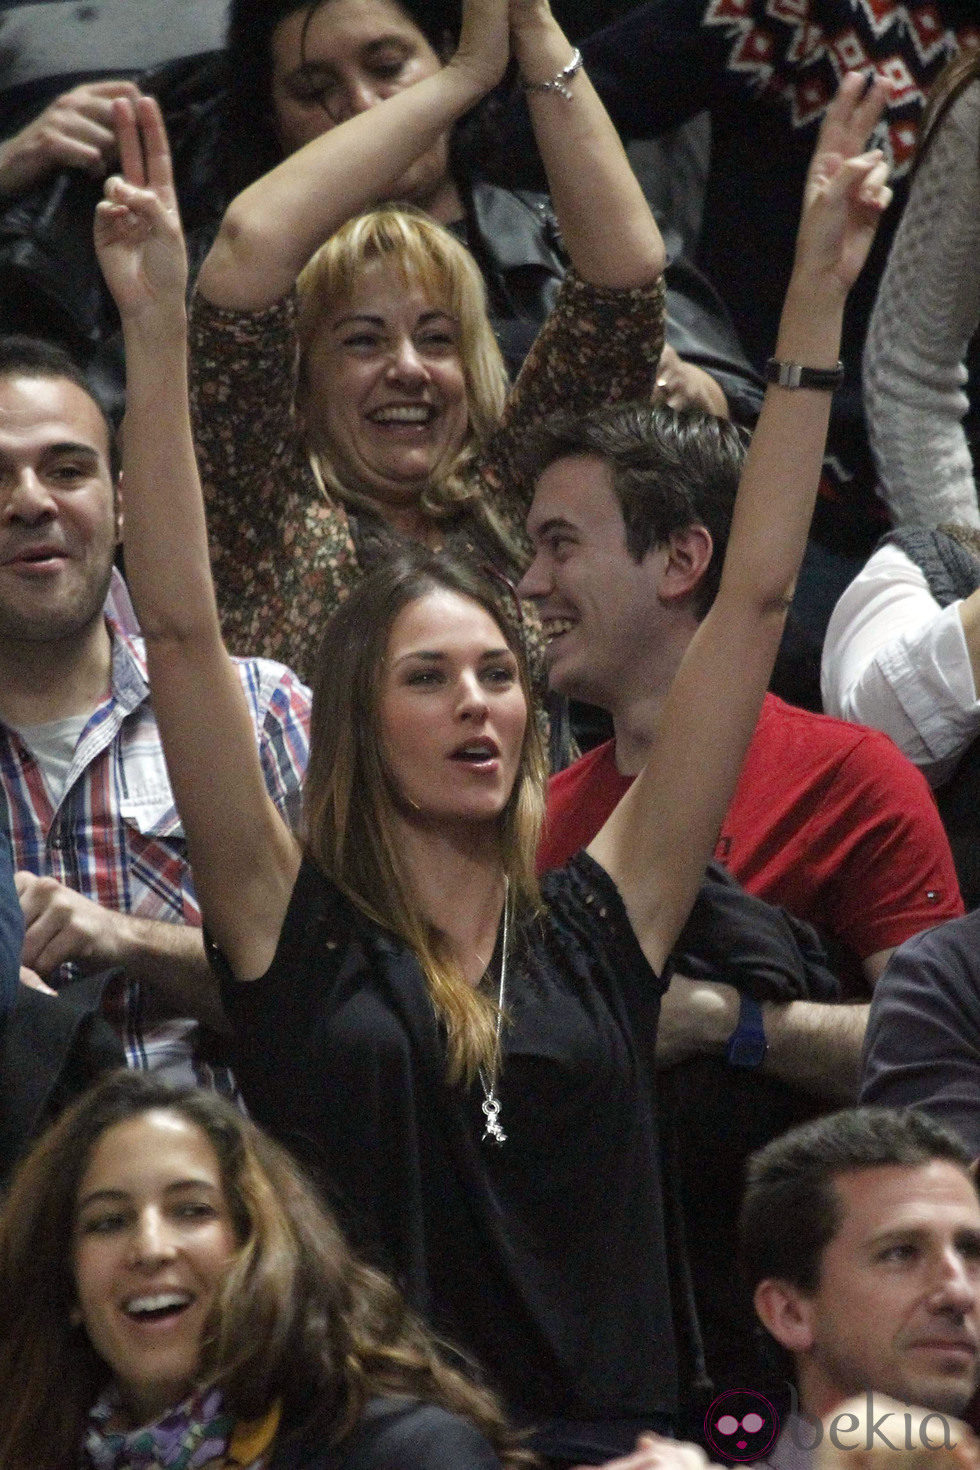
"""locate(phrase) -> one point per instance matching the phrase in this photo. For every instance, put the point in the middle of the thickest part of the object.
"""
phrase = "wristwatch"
(795, 375)
(747, 1045)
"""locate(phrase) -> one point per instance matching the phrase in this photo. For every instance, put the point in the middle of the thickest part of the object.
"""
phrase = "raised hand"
(138, 238)
(846, 189)
(484, 42)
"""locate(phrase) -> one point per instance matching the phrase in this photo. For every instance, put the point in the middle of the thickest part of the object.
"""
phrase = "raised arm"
(270, 231)
(657, 841)
(243, 856)
(606, 223)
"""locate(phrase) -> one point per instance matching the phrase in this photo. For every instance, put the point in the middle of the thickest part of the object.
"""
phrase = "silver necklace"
(491, 1102)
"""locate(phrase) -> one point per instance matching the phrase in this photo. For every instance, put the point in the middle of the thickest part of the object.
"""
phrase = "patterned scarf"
(196, 1433)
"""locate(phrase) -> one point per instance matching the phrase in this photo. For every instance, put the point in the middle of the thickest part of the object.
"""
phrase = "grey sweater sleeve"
(927, 310)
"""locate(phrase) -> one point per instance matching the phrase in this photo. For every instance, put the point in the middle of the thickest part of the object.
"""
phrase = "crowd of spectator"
(489, 733)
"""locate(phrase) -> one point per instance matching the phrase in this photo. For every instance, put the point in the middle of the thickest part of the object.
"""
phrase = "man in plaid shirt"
(103, 875)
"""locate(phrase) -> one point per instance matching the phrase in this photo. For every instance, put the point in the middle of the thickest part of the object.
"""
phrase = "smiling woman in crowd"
(172, 1294)
(346, 402)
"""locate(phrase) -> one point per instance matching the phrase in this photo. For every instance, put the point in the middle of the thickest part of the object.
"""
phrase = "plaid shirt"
(115, 836)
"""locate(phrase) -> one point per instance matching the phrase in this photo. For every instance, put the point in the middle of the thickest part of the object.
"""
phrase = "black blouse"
(543, 1257)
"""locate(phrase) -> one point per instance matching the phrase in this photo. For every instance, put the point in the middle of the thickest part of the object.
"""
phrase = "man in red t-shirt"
(629, 522)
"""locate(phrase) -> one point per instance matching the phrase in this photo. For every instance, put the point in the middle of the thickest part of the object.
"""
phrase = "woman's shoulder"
(582, 887)
(322, 915)
(320, 927)
(397, 1434)
(585, 928)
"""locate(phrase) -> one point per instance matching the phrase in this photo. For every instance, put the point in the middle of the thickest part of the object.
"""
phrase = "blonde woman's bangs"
(425, 256)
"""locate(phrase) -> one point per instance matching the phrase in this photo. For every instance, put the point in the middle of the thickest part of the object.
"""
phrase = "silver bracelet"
(560, 82)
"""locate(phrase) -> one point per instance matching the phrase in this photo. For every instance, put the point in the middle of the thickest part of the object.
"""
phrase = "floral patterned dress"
(283, 555)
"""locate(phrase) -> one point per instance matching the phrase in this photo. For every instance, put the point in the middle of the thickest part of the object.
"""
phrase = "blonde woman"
(344, 407)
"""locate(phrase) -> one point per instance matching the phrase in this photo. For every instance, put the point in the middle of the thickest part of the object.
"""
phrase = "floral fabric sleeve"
(282, 555)
(599, 345)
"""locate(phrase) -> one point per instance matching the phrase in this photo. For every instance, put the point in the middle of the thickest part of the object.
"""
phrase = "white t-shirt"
(52, 745)
(895, 660)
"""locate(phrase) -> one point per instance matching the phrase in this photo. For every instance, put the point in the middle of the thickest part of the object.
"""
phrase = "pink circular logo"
(741, 1424)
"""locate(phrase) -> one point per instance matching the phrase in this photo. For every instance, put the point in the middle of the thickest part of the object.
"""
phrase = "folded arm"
(812, 1044)
(62, 926)
(895, 660)
(270, 231)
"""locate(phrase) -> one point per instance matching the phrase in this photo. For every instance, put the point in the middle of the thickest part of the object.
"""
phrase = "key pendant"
(491, 1111)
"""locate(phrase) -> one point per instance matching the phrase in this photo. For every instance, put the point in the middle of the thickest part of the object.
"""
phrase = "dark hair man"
(629, 523)
(860, 1244)
(103, 876)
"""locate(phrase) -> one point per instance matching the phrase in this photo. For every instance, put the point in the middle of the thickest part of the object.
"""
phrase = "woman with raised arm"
(346, 402)
(463, 1056)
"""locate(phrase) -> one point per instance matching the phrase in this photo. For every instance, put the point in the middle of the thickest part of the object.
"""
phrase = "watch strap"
(795, 375)
(747, 1045)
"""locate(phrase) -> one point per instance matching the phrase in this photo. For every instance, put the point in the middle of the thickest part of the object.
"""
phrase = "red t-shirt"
(828, 819)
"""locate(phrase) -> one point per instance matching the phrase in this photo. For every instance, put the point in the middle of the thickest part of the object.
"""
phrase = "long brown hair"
(350, 797)
(954, 78)
(298, 1318)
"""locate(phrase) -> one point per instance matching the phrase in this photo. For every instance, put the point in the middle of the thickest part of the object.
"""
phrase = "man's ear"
(786, 1313)
(688, 558)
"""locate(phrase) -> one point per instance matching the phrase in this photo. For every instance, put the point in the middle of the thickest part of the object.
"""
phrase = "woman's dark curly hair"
(298, 1318)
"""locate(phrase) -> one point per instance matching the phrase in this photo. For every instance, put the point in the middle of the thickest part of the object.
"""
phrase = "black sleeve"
(922, 1046)
(406, 1436)
(701, 331)
(425, 1438)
